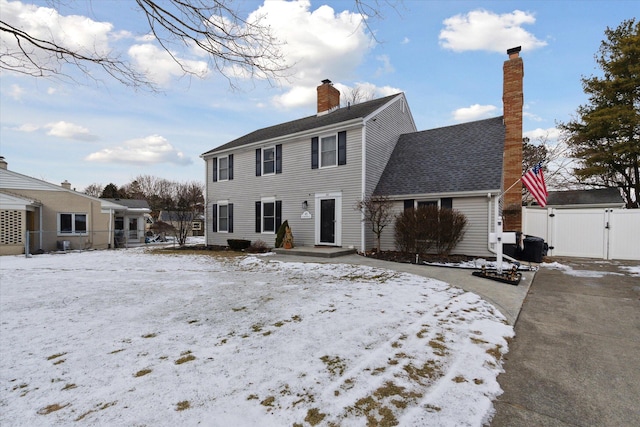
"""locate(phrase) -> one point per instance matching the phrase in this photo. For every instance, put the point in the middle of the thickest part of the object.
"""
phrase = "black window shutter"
(278, 214)
(230, 216)
(446, 203)
(258, 161)
(230, 164)
(258, 217)
(342, 148)
(214, 217)
(215, 169)
(279, 158)
(408, 204)
(314, 152)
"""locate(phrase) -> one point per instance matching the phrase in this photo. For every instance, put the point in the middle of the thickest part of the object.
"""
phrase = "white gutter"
(363, 184)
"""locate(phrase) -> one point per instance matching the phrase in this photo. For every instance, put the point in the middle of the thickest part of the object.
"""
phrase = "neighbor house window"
(328, 151)
(72, 223)
(223, 218)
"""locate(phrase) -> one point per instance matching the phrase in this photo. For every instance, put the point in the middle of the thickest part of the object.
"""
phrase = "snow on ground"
(128, 337)
(567, 269)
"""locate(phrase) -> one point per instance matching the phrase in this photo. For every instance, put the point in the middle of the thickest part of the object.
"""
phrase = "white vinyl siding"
(296, 184)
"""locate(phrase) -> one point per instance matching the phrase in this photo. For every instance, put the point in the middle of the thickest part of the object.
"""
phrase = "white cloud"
(68, 130)
(405, 40)
(550, 135)
(485, 30)
(15, 92)
(386, 67)
(158, 65)
(319, 44)
(474, 112)
(27, 127)
(74, 32)
(152, 149)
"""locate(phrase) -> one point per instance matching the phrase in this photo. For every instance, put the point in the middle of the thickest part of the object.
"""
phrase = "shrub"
(258, 247)
(238, 244)
(423, 229)
(281, 232)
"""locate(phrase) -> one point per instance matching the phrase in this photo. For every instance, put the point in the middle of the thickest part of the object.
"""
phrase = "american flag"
(534, 181)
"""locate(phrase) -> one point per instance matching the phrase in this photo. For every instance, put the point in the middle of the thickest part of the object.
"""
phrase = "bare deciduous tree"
(94, 190)
(378, 212)
(234, 46)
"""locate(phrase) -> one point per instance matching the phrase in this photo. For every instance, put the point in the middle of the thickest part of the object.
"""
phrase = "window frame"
(220, 169)
(74, 222)
(219, 205)
(263, 202)
(321, 164)
(272, 161)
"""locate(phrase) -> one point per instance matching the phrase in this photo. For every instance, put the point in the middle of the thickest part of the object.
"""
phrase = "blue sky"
(446, 56)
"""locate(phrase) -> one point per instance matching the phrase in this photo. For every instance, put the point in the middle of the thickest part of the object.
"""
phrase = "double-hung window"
(328, 151)
(72, 223)
(222, 217)
(222, 168)
(268, 215)
(269, 160)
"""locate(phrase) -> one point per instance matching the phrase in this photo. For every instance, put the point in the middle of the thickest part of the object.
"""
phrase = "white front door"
(328, 219)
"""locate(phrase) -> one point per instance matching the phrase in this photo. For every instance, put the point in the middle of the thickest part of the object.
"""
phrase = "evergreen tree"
(605, 136)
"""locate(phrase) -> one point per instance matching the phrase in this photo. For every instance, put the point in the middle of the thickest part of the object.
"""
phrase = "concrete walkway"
(506, 298)
(575, 359)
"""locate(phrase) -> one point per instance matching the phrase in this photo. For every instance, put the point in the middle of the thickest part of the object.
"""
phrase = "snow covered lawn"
(130, 338)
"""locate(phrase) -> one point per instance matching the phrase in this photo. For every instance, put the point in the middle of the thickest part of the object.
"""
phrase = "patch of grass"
(256, 328)
(99, 407)
(181, 406)
(69, 387)
(478, 340)
(478, 381)
(58, 362)
(190, 322)
(268, 401)
(151, 335)
(236, 309)
(336, 365)
(459, 379)
(142, 373)
(51, 408)
(439, 349)
(186, 357)
(55, 356)
(252, 397)
(116, 351)
(496, 352)
(428, 371)
(314, 416)
(422, 332)
(279, 324)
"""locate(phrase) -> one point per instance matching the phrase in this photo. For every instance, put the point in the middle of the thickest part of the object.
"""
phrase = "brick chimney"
(328, 97)
(3, 163)
(66, 185)
(513, 101)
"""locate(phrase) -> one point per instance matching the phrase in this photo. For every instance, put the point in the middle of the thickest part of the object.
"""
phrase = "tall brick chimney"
(513, 101)
(328, 97)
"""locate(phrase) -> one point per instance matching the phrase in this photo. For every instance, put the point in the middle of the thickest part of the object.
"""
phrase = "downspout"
(40, 227)
(363, 185)
(110, 237)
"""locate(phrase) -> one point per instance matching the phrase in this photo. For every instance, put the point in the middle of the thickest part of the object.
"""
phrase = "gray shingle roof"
(585, 197)
(131, 203)
(464, 157)
(340, 115)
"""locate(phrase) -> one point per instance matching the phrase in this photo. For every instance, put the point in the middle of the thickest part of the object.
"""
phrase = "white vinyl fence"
(586, 233)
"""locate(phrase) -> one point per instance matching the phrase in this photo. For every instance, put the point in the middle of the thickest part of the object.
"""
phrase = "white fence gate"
(587, 233)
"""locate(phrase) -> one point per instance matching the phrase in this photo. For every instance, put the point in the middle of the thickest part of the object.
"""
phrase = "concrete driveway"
(575, 359)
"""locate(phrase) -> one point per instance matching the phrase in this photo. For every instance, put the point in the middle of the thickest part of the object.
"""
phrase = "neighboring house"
(312, 171)
(50, 216)
(130, 221)
(173, 219)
